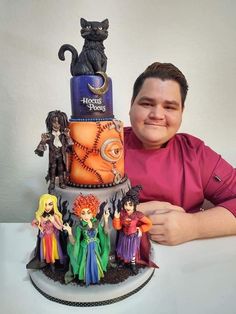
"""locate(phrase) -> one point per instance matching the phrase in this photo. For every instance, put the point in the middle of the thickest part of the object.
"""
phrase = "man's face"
(156, 112)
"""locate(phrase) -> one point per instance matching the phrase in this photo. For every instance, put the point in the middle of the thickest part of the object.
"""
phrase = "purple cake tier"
(85, 104)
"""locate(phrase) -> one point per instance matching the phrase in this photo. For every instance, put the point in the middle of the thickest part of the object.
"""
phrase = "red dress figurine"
(132, 224)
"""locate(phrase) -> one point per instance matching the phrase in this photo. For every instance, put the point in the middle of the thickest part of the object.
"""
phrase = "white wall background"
(197, 36)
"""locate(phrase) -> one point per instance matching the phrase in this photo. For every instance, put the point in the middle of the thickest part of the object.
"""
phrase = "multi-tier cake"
(86, 159)
(97, 159)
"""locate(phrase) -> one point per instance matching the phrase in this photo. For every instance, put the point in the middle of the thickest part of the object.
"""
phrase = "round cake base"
(93, 295)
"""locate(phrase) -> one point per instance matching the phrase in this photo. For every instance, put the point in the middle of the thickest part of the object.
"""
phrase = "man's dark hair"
(163, 71)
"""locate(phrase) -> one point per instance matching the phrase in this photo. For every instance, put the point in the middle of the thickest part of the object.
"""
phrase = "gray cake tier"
(106, 194)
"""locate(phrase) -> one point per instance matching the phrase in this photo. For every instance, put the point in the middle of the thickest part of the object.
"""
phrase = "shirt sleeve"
(219, 180)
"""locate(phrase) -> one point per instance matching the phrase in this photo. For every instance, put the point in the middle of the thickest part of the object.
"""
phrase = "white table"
(196, 277)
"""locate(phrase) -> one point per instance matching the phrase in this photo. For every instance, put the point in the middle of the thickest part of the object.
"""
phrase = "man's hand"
(171, 224)
(172, 227)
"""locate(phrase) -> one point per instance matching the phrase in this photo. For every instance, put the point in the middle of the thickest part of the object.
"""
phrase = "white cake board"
(94, 295)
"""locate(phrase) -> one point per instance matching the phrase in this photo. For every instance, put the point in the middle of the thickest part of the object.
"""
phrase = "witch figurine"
(89, 245)
(59, 143)
(133, 245)
(48, 220)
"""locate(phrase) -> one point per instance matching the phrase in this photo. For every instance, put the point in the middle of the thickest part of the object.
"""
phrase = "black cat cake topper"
(92, 58)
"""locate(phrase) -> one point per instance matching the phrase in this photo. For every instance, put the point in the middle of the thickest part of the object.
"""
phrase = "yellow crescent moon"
(100, 90)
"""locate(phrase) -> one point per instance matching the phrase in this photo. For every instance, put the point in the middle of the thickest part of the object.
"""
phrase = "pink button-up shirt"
(184, 173)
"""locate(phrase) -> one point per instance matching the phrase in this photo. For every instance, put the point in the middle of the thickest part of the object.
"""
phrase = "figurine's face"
(86, 214)
(55, 124)
(156, 112)
(129, 207)
(48, 205)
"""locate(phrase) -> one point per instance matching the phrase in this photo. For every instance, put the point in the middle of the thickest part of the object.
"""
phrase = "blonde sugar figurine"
(48, 220)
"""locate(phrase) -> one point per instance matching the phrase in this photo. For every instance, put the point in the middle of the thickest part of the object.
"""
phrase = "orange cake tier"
(98, 153)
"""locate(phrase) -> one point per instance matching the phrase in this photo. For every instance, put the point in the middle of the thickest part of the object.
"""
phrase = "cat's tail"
(61, 55)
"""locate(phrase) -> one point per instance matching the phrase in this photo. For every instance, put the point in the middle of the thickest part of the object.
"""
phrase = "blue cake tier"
(87, 104)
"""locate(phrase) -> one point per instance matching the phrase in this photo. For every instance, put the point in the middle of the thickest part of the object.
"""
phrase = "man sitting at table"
(176, 171)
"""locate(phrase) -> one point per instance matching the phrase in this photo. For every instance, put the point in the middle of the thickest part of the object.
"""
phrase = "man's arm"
(172, 225)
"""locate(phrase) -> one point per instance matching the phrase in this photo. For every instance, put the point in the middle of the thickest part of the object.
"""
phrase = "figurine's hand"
(90, 224)
(45, 137)
(67, 228)
(35, 223)
(67, 132)
(139, 232)
(106, 215)
(40, 227)
(51, 218)
(117, 214)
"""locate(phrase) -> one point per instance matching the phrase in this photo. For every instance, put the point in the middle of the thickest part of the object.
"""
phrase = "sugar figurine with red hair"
(89, 245)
